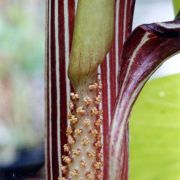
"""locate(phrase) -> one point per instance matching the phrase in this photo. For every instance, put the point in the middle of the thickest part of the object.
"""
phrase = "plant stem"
(92, 39)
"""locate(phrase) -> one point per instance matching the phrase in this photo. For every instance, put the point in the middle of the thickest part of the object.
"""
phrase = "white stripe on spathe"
(121, 129)
(144, 39)
(116, 124)
(108, 87)
(76, 5)
(120, 132)
(58, 85)
(66, 29)
(117, 42)
(50, 109)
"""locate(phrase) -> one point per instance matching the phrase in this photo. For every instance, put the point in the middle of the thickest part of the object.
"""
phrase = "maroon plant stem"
(124, 11)
(55, 88)
(60, 21)
(144, 51)
(52, 112)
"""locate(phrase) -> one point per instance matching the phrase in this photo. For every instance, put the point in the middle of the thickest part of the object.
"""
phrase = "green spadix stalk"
(92, 39)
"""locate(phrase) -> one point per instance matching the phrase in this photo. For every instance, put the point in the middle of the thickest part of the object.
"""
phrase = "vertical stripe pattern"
(60, 22)
(144, 51)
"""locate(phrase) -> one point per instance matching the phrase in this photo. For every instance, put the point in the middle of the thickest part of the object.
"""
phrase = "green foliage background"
(22, 39)
(176, 6)
(22, 36)
(155, 131)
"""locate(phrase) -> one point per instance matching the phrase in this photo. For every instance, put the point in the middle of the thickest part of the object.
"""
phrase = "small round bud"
(74, 96)
(91, 154)
(69, 131)
(98, 144)
(67, 159)
(88, 101)
(76, 152)
(85, 141)
(71, 140)
(97, 99)
(80, 111)
(86, 122)
(98, 123)
(73, 120)
(97, 165)
(66, 148)
(83, 164)
(93, 132)
(93, 87)
(94, 111)
(74, 172)
(89, 176)
(78, 132)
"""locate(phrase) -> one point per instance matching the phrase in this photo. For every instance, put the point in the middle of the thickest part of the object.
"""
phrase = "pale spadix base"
(84, 156)
(92, 39)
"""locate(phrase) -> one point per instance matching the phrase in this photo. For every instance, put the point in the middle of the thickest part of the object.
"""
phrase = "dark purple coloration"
(144, 51)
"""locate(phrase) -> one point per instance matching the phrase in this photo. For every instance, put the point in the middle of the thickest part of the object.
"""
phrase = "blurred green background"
(155, 131)
(22, 39)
